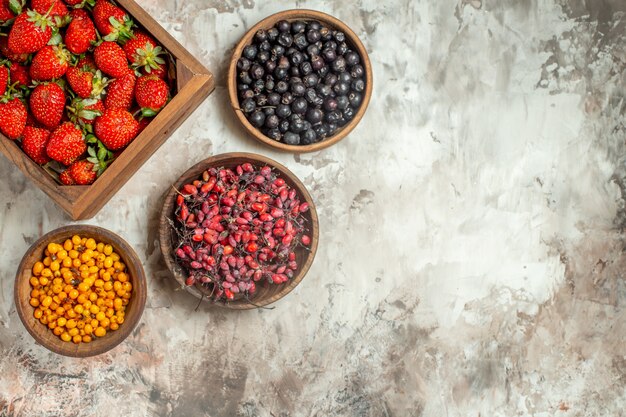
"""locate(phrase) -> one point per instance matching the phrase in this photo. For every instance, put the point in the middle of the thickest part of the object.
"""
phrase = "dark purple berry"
(250, 51)
(265, 46)
(281, 87)
(257, 118)
(272, 121)
(313, 36)
(300, 41)
(274, 134)
(285, 39)
(358, 85)
(245, 78)
(247, 93)
(287, 98)
(339, 36)
(341, 88)
(248, 105)
(324, 90)
(339, 64)
(342, 102)
(257, 72)
(291, 138)
(344, 77)
(272, 34)
(310, 80)
(283, 26)
(317, 62)
(283, 126)
(262, 57)
(298, 89)
(260, 35)
(273, 99)
(330, 104)
(314, 116)
(357, 71)
(313, 25)
(298, 26)
(281, 73)
(299, 106)
(342, 48)
(330, 79)
(355, 99)
(283, 111)
(321, 130)
(332, 117)
(348, 113)
(306, 68)
(352, 58)
(270, 66)
(243, 64)
(329, 55)
(313, 50)
(277, 51)
(309, 136)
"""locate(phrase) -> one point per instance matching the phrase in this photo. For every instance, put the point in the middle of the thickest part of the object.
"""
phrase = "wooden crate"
(194, 84)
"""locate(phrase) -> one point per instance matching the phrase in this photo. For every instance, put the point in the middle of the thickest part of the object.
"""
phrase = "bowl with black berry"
(239, 230)
(300, 80)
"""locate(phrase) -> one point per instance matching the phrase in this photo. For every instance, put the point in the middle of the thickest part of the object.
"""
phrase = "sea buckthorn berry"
(80, 289)
(37, 268)
(53, 248)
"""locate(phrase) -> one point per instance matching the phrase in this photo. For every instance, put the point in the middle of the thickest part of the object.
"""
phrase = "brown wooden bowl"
(266, 293)
(332, 23)
(40, 332)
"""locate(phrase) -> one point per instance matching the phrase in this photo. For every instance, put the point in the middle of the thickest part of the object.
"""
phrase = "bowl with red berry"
(89, 89)
(239, 230)
(300, 80)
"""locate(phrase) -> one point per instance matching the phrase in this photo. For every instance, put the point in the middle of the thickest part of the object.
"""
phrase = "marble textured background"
(472, 243)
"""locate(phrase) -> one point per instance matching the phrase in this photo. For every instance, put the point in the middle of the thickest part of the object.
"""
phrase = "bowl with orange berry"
(80, 290)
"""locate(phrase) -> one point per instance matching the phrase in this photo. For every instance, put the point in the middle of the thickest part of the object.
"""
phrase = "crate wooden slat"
(194, 84)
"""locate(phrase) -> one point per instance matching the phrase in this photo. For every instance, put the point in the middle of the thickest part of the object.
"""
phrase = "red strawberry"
(84, 112)
(4, 48)
(5, 11)
(82, 172)
(139, 41)
(30, 32)
(47, 103)
(81, 32)
(120, 93)
(66, 144)
(112, 22)
(66, 178)
(56, 7)
(19, 74)
(34, 144)
(111, 60)
(80, 81)
(49, 63)
(31, 121)
(151, 94)
(116, 128)
(87, 63)
(13, 116)
(145, 55)
(4, 79)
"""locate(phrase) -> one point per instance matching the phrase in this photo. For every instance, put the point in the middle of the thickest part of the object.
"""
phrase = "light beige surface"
(472, 247)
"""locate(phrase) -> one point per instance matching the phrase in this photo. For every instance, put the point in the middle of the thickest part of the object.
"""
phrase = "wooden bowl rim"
(168, 206)
(98, 346)
(300, 14)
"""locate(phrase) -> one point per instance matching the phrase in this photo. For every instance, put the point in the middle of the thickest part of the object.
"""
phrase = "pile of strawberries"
(78, 82)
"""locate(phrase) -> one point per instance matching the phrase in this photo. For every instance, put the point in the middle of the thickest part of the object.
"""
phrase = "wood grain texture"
(194, 84)
(290, 15)
(266, 293)
(40, 332)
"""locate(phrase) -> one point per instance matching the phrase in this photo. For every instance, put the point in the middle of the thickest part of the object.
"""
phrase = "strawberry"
(80, 81)
(151, 94)
(9, 9)
(34, 143)
(87, 63)
(82, 172)
(13, 116)
(81, 32)
(120, 93)
(116, 128)
(19, 74)
(112, 22)
(4, 79)
(56, 7)
(30, 32)
(145, 56)
(66, 178)
(85, 111)
(66, 144)
(111, 60)
(4, 49)
(47, 103)
(49, 63)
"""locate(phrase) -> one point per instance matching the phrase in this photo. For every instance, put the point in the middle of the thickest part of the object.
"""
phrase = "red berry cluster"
(78, 82)
(235, 227)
